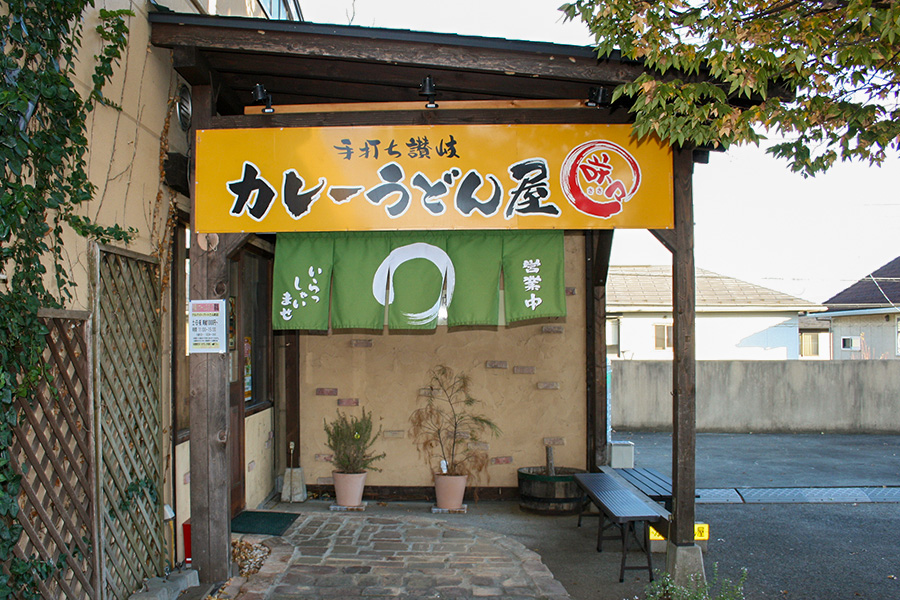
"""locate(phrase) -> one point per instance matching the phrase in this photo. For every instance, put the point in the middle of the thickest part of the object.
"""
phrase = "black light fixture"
(261, 95)
(428, 90)
(597, 97)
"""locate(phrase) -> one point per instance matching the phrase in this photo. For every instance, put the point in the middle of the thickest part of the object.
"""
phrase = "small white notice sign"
(206, 330)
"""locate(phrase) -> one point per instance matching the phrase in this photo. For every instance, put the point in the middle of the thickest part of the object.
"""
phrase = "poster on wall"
(248, 370)
(437, 177)
(206, 327)
(232, 324)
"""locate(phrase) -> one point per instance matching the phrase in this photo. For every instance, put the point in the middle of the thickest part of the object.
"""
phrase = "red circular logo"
(598, 177)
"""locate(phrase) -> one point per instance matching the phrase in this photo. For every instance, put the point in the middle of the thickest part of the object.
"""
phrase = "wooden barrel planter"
(545, 494)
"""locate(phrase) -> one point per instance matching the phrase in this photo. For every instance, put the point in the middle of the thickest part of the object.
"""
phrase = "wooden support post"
(684, 365)
(292, 396)
(602, 420)
(210, 514)
(597, 248)
(590, 355)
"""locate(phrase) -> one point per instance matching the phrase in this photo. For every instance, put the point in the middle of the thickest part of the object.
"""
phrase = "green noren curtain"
(534, 275)
(476, 294)
(301, 281)
(414, 274)
(357, 257)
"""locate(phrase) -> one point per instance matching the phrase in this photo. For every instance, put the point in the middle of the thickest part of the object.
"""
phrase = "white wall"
(877, 333)
(720, 336)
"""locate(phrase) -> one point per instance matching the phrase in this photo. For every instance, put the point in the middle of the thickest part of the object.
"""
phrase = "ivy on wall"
(43, 150)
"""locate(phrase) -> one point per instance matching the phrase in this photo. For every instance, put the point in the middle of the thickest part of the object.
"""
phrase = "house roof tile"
(651, 286)
(881, 288)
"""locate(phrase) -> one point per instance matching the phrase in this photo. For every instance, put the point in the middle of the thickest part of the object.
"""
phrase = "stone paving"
(350, 557)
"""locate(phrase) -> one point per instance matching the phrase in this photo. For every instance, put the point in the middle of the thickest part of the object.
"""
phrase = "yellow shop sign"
(431, 177)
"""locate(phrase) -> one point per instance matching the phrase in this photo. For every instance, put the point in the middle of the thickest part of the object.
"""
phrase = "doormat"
(262, 522)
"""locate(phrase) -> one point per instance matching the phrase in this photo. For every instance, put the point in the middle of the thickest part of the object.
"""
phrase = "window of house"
(851, 342)
(282, 10)
(612, 337)
(809, 344)
(664, 336)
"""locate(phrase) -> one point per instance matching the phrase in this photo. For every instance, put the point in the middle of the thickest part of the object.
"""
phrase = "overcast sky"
(755, 220)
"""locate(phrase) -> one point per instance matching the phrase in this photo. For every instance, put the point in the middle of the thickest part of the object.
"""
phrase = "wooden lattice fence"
(53, 450)
(89, 448)
(128, 364)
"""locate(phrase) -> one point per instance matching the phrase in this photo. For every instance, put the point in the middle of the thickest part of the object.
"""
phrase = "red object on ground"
(186, 529)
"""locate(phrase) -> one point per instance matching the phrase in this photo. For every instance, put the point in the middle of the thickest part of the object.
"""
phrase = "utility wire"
(875, 281)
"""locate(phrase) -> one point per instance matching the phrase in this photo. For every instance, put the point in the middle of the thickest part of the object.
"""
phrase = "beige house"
(736, 320)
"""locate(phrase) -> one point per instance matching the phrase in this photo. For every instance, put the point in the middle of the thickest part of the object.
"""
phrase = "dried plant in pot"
(449, 434)
(350, 439)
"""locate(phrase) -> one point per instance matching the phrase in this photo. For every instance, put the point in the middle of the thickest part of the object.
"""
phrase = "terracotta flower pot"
(449, 490)
(348, 488)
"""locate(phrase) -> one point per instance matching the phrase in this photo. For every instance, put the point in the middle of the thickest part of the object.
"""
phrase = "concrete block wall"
(764, 396)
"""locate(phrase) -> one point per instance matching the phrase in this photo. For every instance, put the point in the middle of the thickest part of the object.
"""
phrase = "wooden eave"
(307, 63)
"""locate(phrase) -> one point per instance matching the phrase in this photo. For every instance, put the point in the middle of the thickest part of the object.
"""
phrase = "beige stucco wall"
(124, 145)
(386, 377)
(259, 457)
(123, 159)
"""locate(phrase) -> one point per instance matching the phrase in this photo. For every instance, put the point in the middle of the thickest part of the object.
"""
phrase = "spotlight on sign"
(428, 90)
(260, 95)
(597, 97)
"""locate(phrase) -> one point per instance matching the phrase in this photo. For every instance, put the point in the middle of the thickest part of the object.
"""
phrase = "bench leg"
(600, 529)
(624, 528)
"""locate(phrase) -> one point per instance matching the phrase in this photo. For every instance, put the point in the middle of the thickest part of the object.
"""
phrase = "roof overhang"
(861, 312)
(716, 309)
(307, 63)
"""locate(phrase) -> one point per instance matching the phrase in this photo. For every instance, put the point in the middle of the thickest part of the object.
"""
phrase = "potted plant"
(350, 439)
(449, 434)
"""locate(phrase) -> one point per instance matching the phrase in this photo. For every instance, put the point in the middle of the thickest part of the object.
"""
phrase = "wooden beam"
(666, 237)
(429, 50)
(604, 250)
(193, 66)
(601, 420)
(595, 243)
(590, 353)
(684, 366)
(177, 168)
(210, 518)
(362, 107)
(425, 117)
(313, 75)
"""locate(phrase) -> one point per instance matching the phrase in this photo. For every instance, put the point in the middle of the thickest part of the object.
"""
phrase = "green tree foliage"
(43, 148)
(351, 439)
(822, 74)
